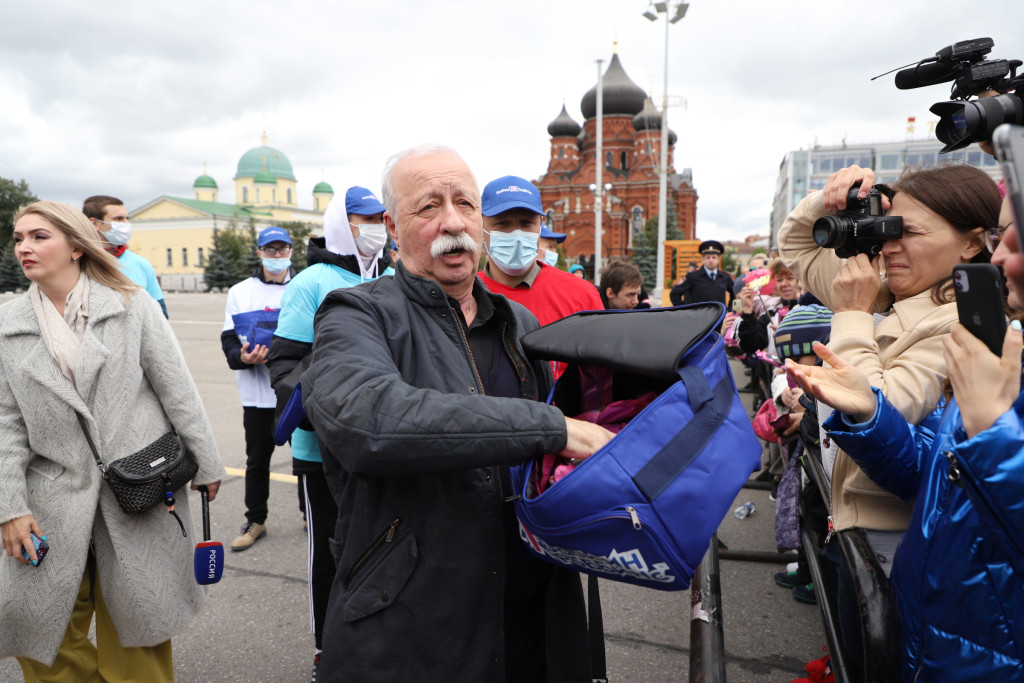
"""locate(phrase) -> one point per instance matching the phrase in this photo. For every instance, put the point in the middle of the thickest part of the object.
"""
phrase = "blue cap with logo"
(550, 234)
(272, 234)
(362, 202)
(510, 192)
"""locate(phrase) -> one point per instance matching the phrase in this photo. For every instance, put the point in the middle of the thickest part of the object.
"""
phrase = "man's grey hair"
(387, 189)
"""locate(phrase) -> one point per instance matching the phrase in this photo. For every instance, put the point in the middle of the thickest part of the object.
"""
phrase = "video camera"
(962, 122)
(860, 228)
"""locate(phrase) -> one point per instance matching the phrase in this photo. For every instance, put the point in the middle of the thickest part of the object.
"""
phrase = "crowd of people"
(399, 365)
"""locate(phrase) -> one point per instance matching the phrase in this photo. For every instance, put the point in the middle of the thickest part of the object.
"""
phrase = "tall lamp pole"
(679, 8)
(598, 168)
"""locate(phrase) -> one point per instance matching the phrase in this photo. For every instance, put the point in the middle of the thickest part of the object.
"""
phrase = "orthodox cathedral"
(176, 233)
(631, 147)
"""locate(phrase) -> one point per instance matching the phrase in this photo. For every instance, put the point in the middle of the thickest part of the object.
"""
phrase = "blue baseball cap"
(510, 192)
(362, 202)
(272, 234)
(550, 234)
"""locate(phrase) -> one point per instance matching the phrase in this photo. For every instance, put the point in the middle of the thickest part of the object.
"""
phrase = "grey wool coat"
(132, 386)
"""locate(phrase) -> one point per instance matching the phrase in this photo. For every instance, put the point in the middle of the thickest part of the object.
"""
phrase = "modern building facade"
(631, 147)
(803, 171)
(176, 233)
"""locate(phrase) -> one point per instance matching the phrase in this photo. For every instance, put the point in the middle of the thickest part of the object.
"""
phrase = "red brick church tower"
(631, 149)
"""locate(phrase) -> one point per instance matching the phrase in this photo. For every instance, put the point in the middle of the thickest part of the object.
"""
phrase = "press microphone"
(208, 562)
(924, 74)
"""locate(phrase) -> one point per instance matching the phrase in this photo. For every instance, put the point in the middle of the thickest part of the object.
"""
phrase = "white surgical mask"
(277, 265)
(551, 258)
(119, 233)
(372, 238)
(513, 252)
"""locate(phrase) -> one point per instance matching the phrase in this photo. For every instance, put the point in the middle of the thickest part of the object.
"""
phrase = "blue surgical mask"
(551, 258)
(513, 252)
(119, 233)
(277, 265)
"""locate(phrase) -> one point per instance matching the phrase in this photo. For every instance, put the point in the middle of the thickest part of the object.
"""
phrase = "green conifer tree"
(12, 276)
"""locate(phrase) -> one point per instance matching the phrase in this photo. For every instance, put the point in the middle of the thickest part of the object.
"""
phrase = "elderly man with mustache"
(422, 398)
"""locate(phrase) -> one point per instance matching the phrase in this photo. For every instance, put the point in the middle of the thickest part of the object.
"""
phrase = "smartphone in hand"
(41, 547)
(979, 303)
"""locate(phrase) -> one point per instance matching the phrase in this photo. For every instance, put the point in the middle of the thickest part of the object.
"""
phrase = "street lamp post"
(680, 12)
(598, 168)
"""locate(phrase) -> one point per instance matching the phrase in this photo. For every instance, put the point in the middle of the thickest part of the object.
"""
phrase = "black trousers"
(321, 516)
(259, 447)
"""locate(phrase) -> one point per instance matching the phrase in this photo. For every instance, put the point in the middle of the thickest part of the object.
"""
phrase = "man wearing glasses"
(252, 298)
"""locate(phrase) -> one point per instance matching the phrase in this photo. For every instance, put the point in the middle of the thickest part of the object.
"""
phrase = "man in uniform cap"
(708, 283)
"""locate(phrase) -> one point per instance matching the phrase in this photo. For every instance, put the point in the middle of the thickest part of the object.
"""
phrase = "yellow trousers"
(79, 661)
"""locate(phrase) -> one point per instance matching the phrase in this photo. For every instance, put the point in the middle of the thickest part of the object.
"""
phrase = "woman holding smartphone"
(892, 313)
(84, 339)
(957, 574)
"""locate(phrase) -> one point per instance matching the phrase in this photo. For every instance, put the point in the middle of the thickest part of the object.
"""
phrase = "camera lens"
(828, 231)
(961, 123)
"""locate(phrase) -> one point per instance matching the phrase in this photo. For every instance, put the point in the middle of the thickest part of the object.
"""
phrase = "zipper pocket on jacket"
(385, 536)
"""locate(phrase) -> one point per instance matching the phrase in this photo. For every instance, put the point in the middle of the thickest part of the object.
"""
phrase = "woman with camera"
(957, 574)
(891, 314)
(85, 342)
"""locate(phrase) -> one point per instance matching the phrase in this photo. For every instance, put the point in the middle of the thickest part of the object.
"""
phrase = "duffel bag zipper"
(385, 536)
(633, 516)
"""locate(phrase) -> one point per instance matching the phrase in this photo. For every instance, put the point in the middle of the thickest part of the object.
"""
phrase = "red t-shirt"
(553, 295)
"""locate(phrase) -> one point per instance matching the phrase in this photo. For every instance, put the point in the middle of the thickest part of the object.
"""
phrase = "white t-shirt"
(253, 295)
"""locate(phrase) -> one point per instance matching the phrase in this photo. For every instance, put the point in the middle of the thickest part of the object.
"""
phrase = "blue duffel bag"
(642, 509)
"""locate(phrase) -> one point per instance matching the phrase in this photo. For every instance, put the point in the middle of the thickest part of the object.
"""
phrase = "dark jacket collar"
(317, 252)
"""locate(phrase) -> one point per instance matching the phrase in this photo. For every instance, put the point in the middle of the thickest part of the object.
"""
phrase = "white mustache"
(446, 243)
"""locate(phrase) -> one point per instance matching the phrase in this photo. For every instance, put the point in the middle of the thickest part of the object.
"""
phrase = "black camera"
(961, 121)
(860, 228)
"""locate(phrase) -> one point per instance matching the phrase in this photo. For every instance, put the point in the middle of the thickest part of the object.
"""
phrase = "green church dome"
(205, 181)
(265, 177)
(323, 187)
(264, 158)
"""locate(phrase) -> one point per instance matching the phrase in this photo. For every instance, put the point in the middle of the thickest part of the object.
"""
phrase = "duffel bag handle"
(710, 409)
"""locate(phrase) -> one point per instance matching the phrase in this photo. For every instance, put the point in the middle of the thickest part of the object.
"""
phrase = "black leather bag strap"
(92, 446)
(598, 665)
(710, 408)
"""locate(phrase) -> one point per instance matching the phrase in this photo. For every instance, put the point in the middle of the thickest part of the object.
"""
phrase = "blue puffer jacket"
(957, 573)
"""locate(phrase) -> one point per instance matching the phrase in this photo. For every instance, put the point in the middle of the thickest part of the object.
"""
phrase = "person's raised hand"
(841, 386)
(856, 286)
(985, 385)
(840, 182)
(747, 299)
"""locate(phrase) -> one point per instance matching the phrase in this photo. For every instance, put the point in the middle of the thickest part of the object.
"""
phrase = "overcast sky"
(131, 98)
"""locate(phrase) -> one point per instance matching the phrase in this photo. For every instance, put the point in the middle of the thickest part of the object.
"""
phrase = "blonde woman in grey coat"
(85, 338)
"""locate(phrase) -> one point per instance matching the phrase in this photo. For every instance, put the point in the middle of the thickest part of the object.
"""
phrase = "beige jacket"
(902, 356)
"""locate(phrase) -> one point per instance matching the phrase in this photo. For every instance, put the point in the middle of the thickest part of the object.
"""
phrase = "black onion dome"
(563, 125)
(621, 95)
(672, 138)
(649, 117)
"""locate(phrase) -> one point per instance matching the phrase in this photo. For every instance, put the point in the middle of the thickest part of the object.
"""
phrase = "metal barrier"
(707, 630)
(876, 602)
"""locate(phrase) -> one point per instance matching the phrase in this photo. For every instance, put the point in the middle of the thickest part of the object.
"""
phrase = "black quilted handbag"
(148, 476)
